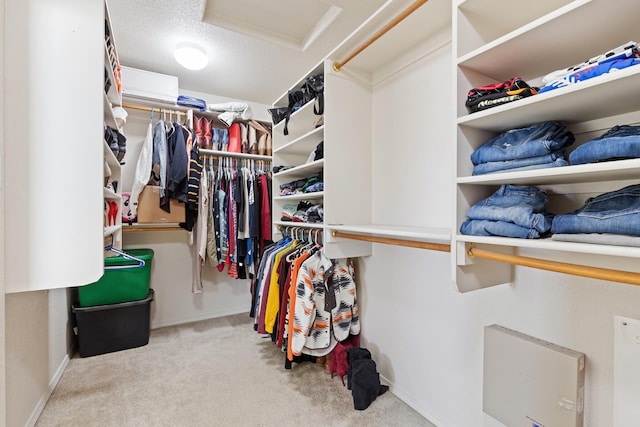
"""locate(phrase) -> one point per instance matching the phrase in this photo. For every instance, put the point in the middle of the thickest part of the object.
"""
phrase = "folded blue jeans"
(536, 140)
(619, 142)
(615, 212)
(482, 227)
(523, 206)
(546, 161)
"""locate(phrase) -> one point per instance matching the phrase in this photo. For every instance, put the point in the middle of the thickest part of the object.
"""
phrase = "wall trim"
(45, 397)
(416, 405)
(191, 319)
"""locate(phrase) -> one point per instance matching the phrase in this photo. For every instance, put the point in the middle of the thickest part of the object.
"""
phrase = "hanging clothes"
(143, 169)
(304, 300)
(177, 164)
(200, 233)
(194, 172)
(159, 157)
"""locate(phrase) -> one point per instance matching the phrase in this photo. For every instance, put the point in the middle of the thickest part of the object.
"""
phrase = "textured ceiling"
(255, 54)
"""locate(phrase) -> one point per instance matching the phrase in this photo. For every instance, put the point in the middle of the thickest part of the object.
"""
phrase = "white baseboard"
(207, 316)
(45, 397)
(414, 403)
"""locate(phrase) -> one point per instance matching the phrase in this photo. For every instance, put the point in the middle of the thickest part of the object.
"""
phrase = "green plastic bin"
(124, 280)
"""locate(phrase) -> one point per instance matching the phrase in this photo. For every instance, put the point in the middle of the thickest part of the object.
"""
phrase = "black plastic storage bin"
(113, 327)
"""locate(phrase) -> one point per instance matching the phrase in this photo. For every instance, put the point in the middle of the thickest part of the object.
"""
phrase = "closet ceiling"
(256, 48)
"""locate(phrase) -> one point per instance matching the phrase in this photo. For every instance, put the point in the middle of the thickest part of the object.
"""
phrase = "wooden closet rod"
(559, 267)
(157, 109)
(206, 152)
(390, 241)
(338, 65)
(130, 229)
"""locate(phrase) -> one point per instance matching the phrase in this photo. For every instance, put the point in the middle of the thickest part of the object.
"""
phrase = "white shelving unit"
(111, 61)
(112, 227)
(348, 129)
(59, 58)
(346, 136)
(531, 48)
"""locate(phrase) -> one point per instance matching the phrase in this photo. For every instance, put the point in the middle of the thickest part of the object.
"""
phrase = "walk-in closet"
(381, 212)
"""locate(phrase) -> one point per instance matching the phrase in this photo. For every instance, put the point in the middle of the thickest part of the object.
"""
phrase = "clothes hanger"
(110, 248)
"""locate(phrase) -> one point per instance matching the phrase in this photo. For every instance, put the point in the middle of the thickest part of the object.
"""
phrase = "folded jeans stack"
(512, 211)
(619, 142)
(609, 218)
(541, 145)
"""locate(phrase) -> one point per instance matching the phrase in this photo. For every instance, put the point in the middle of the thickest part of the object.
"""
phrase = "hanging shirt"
(326, 309)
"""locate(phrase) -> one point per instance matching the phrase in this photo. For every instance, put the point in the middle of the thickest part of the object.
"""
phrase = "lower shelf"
(554, 245)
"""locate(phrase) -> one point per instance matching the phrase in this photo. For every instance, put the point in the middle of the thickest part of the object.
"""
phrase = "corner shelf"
(489, 52)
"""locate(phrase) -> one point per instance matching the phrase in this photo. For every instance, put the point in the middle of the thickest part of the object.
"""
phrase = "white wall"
(426, 337)
(37, 348)
(3, 394)
(171, 272)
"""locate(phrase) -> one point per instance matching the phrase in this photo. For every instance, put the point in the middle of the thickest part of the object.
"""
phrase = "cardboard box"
(149, 208)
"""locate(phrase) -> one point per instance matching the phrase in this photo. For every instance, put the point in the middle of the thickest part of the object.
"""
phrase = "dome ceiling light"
(191, 56)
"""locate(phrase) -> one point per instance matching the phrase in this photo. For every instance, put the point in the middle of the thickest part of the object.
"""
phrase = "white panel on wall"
(54, 143)
(626, 372)
(529, 382)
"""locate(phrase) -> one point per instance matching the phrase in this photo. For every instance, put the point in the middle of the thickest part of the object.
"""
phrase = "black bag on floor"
(363, 378)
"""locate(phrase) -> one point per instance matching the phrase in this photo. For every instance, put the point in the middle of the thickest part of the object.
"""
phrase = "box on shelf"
(149, 208)
(127, 282)
(113, 327)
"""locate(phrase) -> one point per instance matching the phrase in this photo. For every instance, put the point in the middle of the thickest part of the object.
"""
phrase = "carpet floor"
(216, 372)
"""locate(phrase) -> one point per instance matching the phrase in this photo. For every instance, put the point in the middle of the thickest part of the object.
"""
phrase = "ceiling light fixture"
(191, 56)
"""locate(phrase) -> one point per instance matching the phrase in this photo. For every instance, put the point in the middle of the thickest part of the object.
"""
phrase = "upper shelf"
(511, 54)
(570, 104)
(301, 123)
(592, 172)
(114, 93)
(302, 171)
(304, 144)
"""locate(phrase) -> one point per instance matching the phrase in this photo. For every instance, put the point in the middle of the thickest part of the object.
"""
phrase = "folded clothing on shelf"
(624, 51)
(619, 142)
(303, 185)
(616, 212)
(304, 211)
(591, 72)
(512, 211)
(483, 97)
(116, 141)
(189, 101)
(541, 145)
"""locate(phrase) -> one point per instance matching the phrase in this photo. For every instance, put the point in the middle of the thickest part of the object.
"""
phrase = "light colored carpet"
(217, 372)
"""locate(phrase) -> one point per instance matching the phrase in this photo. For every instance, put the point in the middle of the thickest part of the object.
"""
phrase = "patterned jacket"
(318, 313)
